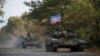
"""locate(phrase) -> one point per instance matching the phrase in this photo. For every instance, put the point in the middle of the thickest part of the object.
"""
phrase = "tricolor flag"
(55, 19)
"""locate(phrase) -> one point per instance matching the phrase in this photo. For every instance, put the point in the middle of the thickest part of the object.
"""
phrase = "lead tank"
(64, 38)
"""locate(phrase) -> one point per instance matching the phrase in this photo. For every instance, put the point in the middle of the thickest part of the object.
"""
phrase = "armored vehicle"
(31, 41)
(64, 38)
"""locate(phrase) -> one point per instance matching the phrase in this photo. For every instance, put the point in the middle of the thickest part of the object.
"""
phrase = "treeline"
(83, 15)
(2, 2)
(23, 26)
(1, 6)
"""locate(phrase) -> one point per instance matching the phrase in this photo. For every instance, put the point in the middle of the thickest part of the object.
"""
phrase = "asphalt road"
(41, 52)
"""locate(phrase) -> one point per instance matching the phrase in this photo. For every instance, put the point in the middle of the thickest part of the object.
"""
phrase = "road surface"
(41, 52)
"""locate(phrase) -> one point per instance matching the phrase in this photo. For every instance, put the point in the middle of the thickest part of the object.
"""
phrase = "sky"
(13, 8)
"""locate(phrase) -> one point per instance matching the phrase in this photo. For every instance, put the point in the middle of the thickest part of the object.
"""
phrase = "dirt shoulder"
(93, 50)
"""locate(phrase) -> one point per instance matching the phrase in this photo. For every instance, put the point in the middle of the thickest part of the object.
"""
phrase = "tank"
(31, 41)
(64, 38)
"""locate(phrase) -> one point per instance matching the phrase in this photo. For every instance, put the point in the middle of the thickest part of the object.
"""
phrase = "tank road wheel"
(73, 49)
(54, 47)
(81, 47)
(23, 45)
(48, 48)
(51, 48)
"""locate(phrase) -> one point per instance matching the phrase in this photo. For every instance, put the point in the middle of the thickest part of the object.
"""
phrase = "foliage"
(83, 15)
(40, 10)
(1, 6)
(23, 26)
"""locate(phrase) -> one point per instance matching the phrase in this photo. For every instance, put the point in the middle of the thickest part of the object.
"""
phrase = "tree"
(95, 22)
(40, 10)
(70, 10)
(83, 15)
(1, 6)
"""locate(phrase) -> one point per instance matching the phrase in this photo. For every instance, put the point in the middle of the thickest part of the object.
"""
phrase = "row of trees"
(83, 15)
(1, 11)
(1, 6)
(23, 26)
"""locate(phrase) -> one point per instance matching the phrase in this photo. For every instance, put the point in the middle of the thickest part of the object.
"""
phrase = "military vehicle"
(31, 41)
(64, 38)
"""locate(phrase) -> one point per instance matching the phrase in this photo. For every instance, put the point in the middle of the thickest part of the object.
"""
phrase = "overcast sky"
(13, 8)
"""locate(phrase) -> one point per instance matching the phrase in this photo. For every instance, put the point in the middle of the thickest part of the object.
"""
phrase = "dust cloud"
(13, 41)
(8, 41)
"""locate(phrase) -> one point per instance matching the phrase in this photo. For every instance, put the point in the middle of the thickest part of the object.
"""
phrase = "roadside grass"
(94, 49)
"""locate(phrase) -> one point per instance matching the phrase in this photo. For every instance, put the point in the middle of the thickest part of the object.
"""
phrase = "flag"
(55, 19)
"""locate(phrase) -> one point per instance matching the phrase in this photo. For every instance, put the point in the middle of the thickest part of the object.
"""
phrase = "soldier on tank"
(29, 36)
